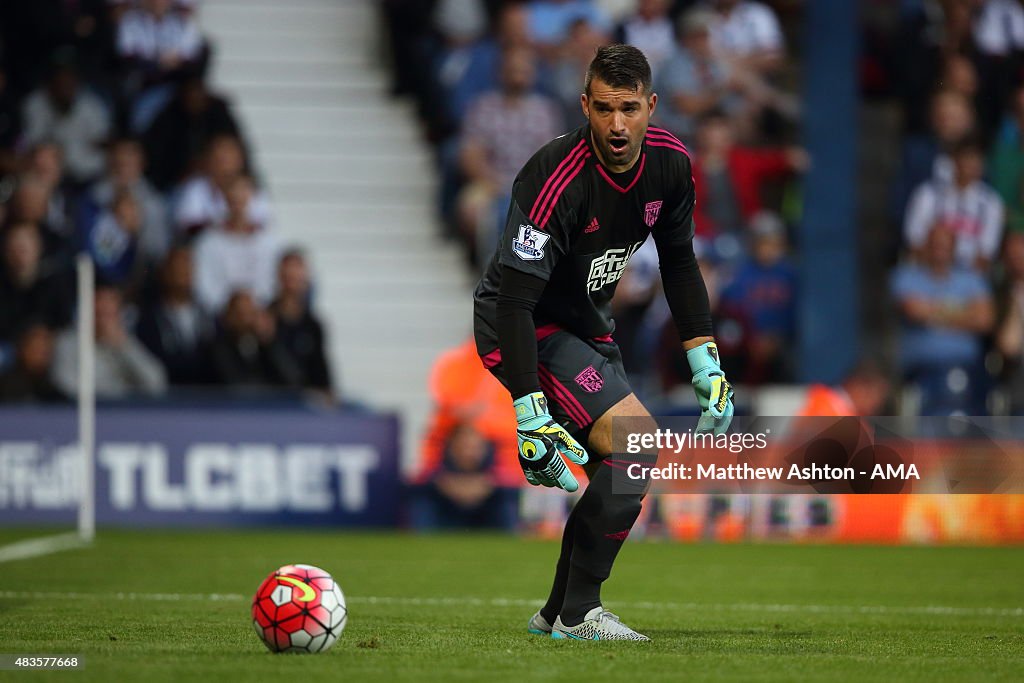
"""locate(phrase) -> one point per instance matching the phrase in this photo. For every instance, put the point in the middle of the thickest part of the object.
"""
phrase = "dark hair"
(620, 66)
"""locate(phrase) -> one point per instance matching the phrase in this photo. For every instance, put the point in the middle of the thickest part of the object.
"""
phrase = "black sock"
(554, 604)
(603, 520)
(582, 594)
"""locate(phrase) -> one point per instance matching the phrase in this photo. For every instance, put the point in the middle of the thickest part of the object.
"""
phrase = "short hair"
(620, 66)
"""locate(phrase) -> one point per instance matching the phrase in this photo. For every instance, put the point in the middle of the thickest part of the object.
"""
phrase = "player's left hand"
(714, 393)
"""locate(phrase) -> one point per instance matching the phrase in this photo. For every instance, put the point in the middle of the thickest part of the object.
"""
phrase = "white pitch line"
(928, 610)
(36, 547)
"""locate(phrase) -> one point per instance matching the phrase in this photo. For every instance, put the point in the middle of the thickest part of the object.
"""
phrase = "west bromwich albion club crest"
(651, 211)
(590, 380)
(529, 244)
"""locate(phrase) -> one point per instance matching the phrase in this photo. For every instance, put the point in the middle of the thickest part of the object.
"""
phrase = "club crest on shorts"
(590, 380)
(529, 243)
(651, 211)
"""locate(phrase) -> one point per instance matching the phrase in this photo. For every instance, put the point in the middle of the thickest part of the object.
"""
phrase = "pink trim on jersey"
(567, 162)
(663, 134)
(623, 190)
(555, 389)
(651, 142)
(574, 171)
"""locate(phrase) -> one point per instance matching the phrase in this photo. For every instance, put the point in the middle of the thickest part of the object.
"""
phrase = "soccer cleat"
(538, 625)
(599, 624)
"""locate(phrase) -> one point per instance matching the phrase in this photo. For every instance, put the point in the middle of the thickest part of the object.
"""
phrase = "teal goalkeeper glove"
(714, 393)
(542, 442)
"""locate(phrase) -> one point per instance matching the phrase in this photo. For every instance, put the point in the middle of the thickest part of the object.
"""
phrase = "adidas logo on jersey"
(594, 226)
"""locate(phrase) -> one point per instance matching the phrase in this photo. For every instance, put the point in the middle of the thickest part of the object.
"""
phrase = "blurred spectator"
(32, 32)
(550, 21)
(28, 293)
(201, 201)
(863, 392)
(1009, 334)
(1006, 164)
(503, 129)
(236, 254)
(967, 205)
(997, 29)
(31, 204)
(123, 366)
(465, 60)
(649, 28)
(463, 392)
(112, 241)
(696, 80)
(174, 328)
(747, 35)
(464, 73)
(959, 76)
(925, 155)
(125, 165)
(184, 130)
(764, 292)
(468, 64)
(731, 178)
(10, 125)
(155, 44)
(247, 352)
(574, 57)
(52, 205)
(299, 330)
(946, 309)
(28, 381)
(461, 492)
(66, 112)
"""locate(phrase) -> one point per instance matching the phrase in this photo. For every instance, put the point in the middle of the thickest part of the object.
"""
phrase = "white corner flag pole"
(86, 399)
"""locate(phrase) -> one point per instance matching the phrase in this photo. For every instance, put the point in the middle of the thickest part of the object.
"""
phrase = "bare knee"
(607, 436)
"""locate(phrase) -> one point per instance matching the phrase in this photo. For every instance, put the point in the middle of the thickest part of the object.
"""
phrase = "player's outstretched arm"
(543, 442)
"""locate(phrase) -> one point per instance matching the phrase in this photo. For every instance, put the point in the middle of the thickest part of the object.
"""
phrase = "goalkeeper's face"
(618, 122)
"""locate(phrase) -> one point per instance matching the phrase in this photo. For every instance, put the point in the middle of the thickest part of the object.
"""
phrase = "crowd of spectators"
(496, 79)
(957, 218)
(113, 144)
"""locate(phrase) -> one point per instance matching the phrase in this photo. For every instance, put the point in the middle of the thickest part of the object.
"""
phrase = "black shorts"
(581, 378)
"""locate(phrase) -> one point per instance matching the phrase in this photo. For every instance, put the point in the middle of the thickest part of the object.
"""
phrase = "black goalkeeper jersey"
(574, 224)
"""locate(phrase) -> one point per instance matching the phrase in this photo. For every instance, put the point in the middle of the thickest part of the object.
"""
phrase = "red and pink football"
(299, 608)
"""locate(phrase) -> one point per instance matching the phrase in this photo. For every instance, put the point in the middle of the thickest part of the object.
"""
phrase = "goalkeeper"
(580, 208)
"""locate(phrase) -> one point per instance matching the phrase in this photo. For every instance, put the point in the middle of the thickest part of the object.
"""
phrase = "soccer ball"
(299, 608)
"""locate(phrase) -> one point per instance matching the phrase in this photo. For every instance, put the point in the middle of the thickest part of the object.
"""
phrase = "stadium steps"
(353, 184)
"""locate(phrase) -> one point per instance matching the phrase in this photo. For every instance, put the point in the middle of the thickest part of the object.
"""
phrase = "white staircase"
(352, 183)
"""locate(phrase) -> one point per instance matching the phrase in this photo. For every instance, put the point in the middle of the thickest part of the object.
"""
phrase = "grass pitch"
(454, 608)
